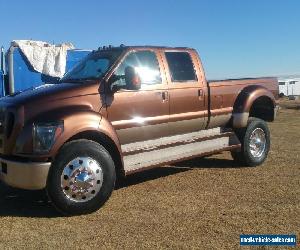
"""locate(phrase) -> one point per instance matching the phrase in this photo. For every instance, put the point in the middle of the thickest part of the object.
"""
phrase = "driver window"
(146, 66)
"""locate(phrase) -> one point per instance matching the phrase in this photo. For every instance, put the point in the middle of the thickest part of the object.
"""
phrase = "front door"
(139, 115)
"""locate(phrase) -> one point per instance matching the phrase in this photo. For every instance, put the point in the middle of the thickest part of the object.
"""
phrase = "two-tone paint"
(88, 110)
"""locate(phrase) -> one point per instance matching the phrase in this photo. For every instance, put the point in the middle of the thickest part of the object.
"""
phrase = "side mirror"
(110, 87)
(132, 79)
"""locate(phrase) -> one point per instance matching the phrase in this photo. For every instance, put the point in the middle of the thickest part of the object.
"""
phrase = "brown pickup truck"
(123, 110)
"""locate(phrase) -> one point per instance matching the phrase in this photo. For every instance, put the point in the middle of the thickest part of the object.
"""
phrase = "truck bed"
(224, 95)
(253, 80)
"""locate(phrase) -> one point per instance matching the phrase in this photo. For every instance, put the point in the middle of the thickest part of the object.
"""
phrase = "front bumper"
(25, 175)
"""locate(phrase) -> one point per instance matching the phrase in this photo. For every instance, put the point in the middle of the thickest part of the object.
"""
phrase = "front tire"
(81, 178)
(255, 143)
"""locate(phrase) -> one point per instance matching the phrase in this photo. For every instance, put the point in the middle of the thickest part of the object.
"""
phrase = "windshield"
(94, 66)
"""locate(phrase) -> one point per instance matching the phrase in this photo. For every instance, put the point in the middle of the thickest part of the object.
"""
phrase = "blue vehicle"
(17, 74)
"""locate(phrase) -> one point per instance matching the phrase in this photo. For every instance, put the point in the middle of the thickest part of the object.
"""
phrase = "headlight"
(45, 134)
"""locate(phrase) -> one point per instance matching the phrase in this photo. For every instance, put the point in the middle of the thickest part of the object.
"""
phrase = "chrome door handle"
(165, 96)
(200, 92)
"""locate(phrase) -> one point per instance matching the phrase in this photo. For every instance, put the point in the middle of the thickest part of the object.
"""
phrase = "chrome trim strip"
(123, 124)
(221, 111)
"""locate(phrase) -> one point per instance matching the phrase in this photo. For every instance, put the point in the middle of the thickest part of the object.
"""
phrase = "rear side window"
(181, 66)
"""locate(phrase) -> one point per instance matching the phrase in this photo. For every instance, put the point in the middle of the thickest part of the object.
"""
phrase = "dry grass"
(285, 103)
(204, 203)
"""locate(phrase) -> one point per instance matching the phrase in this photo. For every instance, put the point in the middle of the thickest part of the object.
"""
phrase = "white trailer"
(289, 87)
(283, 88)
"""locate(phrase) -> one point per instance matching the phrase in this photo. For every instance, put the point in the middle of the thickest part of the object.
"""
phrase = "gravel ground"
(202, 204)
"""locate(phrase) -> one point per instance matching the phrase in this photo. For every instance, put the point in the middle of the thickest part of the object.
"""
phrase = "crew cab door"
(187, 91)
(143, 114)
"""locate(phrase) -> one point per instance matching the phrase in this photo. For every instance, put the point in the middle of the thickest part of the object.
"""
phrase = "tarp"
(45, 58)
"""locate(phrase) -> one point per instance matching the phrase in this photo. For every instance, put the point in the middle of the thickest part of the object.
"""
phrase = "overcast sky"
(235, 38)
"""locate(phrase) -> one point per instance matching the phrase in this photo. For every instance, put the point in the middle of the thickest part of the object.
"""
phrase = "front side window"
(145, 64)
(181, 66)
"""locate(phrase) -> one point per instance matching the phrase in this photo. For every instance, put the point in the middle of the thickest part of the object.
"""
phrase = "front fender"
(84, 122)
(74, 123)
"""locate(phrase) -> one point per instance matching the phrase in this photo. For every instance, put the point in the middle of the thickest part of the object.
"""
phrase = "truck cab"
(154, 107)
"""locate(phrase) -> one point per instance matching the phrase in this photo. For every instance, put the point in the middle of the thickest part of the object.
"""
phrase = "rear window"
(181, 66)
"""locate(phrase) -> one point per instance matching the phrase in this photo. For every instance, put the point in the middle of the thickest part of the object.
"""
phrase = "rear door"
(139, 115)
(187, 89)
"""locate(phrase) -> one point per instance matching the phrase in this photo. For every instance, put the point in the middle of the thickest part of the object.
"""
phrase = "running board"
(153, 153)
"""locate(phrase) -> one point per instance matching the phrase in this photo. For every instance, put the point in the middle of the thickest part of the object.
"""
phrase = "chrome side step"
(152, 153)
(149, 145)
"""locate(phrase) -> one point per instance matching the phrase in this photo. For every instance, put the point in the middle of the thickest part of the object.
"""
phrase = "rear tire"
(81, 178)
(255, 143)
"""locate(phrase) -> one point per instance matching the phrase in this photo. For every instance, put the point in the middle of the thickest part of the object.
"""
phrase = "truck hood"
(54, 100)
(48, 93)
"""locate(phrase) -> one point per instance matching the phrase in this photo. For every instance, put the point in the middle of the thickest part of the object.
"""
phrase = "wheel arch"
(95, 128)
(107, 142)
(253, 101)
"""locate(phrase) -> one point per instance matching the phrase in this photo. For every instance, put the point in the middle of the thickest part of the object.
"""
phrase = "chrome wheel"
(82, 179)
(257, 142)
